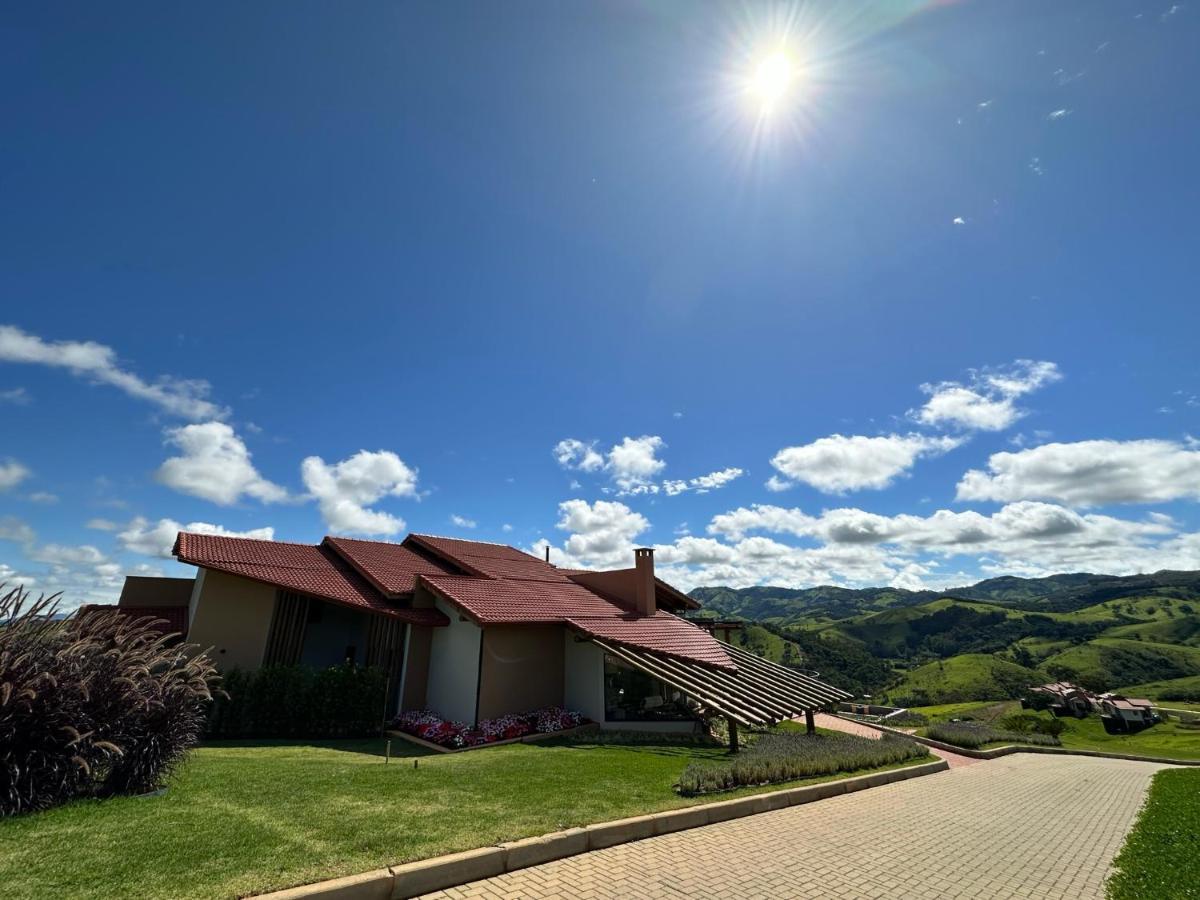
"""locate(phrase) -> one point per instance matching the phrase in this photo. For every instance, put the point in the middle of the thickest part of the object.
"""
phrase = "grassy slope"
(1109, 659)
(243, 818)
(1165, 739)
(1161, 856)
(969, 676)
(979, 710)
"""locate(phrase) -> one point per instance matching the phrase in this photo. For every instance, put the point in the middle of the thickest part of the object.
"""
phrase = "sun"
(772, 80)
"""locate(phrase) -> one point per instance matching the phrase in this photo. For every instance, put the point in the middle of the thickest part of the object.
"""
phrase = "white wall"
(197, 589)
(583, 677)
(454, 667)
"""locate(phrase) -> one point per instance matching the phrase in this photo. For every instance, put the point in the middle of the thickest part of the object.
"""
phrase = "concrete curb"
(428, 875)
(1008, 749)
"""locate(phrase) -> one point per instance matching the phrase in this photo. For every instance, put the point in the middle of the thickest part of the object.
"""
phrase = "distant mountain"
(1054, 593)
(982, 642)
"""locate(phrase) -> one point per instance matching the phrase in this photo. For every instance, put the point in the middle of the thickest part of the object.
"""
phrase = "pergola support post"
(809, 725)
(733, 735)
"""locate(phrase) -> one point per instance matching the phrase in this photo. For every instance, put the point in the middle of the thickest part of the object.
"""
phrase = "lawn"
(1165, 739)
(250, 817)
(1161, 857)
(978, 710)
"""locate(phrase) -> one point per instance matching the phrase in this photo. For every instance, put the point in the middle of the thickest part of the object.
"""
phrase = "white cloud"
(702, 484)
(1058, 114)
(601, 534)
(633, 462)
(987, 402)
(12, 473)
(462, 521)
(345, 489)
(43, 497)
(1089, 473)
(214, 465)
(187, 398)
(157, 538)
(841, 463)
(506, 528)
(101, 525)
(17, 396)
(959, 220)
(572, 453)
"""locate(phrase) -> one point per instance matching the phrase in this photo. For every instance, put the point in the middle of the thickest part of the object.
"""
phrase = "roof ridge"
(446, 537)
(238, 537)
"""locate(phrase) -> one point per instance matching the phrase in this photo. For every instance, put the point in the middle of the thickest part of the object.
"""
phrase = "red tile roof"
(505, 601)
(392, 568)
(502, 601)
(489, 560)
(502, 586)
(661, 633)
(318, 571)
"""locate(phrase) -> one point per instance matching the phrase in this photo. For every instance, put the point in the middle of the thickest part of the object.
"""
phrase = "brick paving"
(1022, 826)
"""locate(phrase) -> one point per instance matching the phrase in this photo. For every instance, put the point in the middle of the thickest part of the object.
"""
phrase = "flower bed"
(431, 727)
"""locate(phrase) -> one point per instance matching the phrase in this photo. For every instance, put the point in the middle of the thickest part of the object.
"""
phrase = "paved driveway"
(1022, 826)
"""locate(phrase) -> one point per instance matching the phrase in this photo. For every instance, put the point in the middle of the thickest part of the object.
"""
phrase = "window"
(630, 695)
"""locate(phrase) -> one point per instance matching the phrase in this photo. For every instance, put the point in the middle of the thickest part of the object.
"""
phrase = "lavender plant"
(776, 757)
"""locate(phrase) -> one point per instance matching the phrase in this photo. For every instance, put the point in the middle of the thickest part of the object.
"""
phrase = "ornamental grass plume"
(96, 705)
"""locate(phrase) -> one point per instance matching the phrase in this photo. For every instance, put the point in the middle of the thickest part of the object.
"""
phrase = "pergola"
(756, 692)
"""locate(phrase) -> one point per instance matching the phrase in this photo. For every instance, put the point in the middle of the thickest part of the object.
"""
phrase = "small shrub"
(300, 702)
(973, 735)
(787, 756)
(1027, 723)
(93, 706)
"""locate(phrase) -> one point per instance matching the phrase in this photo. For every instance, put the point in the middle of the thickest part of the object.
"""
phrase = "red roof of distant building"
(318, 571)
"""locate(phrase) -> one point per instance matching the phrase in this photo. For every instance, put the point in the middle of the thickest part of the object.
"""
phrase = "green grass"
(1154, 689)
(250, 817)
(969, 676)
(979, 710)
(1161, 856)
(1165, 739)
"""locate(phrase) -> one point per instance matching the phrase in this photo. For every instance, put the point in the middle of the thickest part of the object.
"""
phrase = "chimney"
(643, 562)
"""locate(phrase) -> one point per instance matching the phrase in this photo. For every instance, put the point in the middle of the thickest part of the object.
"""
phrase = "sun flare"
(773, 79)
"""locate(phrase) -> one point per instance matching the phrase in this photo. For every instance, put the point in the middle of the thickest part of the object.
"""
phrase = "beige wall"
(453, 667)
(522, 669)
(233, 616)
(583, 677)
(143, 590)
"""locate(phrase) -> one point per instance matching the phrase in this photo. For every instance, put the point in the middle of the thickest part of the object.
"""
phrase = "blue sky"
(536, 272)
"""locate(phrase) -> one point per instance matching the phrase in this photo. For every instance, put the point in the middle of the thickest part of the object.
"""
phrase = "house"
(474, 630)
(1064, 699)
(1122, 714)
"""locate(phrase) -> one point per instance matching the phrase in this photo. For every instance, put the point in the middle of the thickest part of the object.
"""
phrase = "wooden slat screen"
(286, 637)
(384, 636)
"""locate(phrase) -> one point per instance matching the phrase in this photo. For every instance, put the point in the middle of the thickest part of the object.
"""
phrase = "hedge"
(299, 702)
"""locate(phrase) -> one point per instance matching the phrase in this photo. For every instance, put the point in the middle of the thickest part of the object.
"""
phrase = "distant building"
(1065, 699)
(1125, 714)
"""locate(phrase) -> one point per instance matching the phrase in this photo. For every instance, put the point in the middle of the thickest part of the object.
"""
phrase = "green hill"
(1106, 663)
(970, 676)
(1105, 632)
